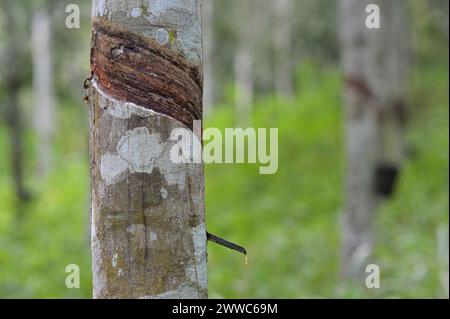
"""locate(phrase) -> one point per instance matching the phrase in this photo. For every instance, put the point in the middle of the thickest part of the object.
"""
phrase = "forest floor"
(289, 222)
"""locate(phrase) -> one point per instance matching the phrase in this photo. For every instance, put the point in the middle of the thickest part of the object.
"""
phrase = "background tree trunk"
(282, 44)
(44, 108)
(243, 61)
(148, 226)
(208, 54)
(243, 71)
(375, 62)
(13, 84)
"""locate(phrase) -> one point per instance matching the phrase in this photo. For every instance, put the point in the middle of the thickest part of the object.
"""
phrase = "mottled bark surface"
(374, 63)
(148, 227)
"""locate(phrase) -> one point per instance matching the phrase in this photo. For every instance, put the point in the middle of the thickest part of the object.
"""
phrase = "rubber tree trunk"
(243, 28)
(243, 72)
(14, 119)
(148, 225)
(374, 63)
(284, 79)
(208, 56)
(44, 105)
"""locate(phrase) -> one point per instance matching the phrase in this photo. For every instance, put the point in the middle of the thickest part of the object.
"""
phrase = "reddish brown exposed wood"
(359, 85)
(136, 69)
(400, 113)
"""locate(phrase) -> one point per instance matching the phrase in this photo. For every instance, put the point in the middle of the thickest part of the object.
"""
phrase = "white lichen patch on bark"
(173, 173)
(161, 36)
(136, 12)
(112, 167)
(164, 192)
(136, 230)
(189, 39)
(140, 149)
(99, 9)
(137, 152)
(153, 236)
(158, 19)
(114, 260)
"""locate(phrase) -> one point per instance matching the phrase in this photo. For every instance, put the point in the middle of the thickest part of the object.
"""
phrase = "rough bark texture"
(148, 227)
(122, 62)
(44, 105)
(375, 63)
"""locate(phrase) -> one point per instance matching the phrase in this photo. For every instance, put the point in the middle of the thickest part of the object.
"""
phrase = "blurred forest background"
(289, 222)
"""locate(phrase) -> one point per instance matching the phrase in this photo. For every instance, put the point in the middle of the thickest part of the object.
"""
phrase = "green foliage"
(39, 239)
(289, 222)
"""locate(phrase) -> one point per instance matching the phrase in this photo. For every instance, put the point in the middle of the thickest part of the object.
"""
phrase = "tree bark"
(148, 224)
(375, 62)
(44, 108)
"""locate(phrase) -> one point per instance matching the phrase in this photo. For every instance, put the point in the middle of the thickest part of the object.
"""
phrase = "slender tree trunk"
(44, 109)
(208, 54)
(13, 84)
(243, 61)
(243, 71)
(282, 43)
(148, 226)
(375, 63)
